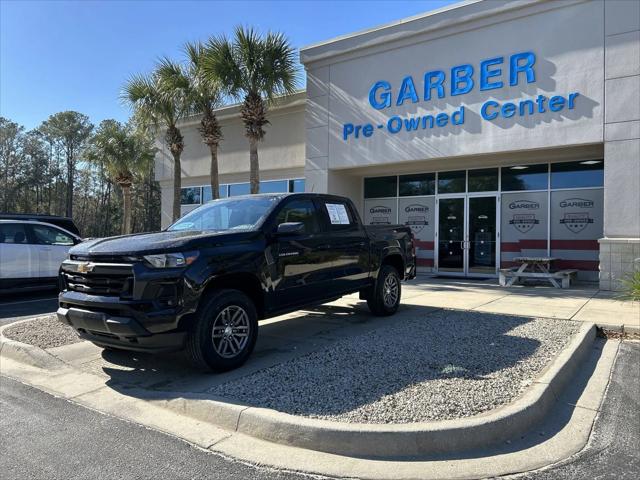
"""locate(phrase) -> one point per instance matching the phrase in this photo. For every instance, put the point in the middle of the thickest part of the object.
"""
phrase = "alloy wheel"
(230, 332)
(390, 291)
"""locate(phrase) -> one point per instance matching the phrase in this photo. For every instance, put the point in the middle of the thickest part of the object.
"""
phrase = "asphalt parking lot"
(20, 305)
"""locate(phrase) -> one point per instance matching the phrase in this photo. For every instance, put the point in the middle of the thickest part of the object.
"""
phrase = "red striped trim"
(523, 245)
(555, 245)
(575, 245)
(424, 262)
(591, 265)
(424, 245)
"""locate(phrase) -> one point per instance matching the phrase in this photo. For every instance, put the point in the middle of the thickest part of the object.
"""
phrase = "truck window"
(299, 211)
(227, 214)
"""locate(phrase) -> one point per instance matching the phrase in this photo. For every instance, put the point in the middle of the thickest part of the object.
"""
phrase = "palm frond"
(280, 66)
(220, 65)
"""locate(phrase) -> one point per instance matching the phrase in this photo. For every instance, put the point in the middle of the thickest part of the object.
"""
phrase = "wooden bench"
(508, 276)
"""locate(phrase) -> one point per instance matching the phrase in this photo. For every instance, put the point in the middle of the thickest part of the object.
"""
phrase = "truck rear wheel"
(385, 295)
(224, 331)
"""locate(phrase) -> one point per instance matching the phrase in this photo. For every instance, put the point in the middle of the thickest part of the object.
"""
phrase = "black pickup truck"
(203, 284)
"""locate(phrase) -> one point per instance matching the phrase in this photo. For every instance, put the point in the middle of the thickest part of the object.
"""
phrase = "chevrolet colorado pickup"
(202, 284)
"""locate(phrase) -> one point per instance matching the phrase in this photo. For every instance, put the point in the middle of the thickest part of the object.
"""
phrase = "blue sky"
(75, 55)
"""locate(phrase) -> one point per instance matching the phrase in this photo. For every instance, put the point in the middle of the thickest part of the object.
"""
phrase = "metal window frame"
(228, 186)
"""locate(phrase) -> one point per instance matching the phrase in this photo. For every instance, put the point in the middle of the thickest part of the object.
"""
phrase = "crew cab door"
(348, 243)
(302, 262)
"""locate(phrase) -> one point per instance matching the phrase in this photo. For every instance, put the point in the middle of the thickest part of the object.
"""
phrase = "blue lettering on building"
(462, 80)
(492, 73)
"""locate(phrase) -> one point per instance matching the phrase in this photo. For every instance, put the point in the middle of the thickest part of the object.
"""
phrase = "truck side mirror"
(290, 228)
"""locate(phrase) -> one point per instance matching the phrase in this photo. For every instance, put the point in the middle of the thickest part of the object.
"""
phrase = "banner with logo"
(381, 212)
(576, 226)
(523, 226)
(419, 214)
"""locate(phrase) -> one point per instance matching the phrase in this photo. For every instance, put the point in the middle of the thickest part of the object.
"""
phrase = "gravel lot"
(43, 332)
(446, 365)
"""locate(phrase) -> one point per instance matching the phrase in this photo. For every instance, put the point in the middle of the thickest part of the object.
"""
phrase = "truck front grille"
(105, 279)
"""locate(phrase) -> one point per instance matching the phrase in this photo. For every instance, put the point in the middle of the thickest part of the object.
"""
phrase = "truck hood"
(167, 241)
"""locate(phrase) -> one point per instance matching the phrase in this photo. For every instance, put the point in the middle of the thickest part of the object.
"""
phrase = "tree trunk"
(215, 181)
(177, 186)
(69, 196)
(107, 224)
(254, 167)
(126, 208)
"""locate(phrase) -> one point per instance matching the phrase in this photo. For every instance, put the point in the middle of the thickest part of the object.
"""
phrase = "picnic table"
(536, 267)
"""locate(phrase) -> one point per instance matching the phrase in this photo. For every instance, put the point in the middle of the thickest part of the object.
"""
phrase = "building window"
(525, 177)
(380, 187)
(417, 185)
(297, 185)
(576, 226)
(206, 192)
(190, 196)
(588, 173)
(274, 186)
(452, 182)
(483, 180)
(239, 189)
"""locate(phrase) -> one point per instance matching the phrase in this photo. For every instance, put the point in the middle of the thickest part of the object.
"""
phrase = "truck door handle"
(326, 246)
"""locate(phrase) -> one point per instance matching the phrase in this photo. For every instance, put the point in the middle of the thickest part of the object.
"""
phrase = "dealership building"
(494, 129)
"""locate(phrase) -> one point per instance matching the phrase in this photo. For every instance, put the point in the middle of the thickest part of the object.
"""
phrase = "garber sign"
(493, 73)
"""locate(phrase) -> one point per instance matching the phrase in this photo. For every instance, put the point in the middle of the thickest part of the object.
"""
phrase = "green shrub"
(631, 286)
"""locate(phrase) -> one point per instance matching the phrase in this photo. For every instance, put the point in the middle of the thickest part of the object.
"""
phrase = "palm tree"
(255, 69)
(157, 101)
(124, 154)
(204, 95)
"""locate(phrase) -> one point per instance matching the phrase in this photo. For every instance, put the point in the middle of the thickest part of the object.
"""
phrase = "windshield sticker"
(337, 214)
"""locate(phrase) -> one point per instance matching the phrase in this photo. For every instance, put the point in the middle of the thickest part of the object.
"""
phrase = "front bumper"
(127, 305)
(118, 331)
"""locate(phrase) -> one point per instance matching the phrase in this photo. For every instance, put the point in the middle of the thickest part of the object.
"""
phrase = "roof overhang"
(455, 15)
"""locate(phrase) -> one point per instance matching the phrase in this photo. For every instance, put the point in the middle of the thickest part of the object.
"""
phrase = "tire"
(232, 345)
(382, 302)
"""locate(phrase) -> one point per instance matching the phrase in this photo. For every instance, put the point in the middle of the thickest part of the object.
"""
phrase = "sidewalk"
(582, 302)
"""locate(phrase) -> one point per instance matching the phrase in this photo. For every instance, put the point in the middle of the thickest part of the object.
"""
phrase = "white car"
(31, 253)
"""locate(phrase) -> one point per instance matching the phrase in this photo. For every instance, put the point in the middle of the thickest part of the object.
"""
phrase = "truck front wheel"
(224, 331)
(384, 299)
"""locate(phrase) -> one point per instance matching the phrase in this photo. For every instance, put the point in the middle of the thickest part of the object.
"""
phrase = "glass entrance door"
(467, 235)
(481, 238)
(451, 235)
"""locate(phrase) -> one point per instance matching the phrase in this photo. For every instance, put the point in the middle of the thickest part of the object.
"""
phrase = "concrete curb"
(371, 441)
(564, 433)
(25, 353)
(400, 440)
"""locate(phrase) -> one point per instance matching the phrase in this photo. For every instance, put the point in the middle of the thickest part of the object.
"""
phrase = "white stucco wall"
(566, 38)
(620, 246)
(281, 153)
(587, 46)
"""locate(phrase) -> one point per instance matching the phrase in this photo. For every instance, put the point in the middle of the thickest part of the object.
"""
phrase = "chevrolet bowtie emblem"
(85, 267)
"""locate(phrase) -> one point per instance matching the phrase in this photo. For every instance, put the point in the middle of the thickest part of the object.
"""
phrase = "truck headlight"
(171, 260)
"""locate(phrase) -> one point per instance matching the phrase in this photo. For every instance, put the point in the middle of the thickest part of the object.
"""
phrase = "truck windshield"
(229, 214)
